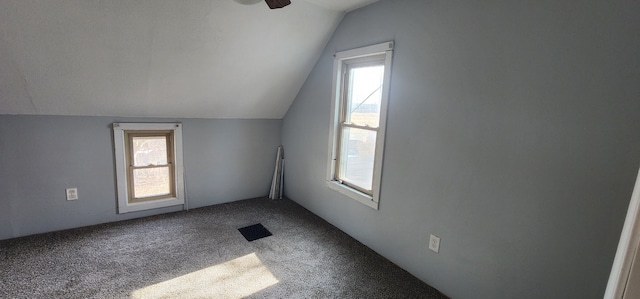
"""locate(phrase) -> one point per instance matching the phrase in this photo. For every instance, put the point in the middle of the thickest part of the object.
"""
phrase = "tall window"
(148, 165)
(361, 89)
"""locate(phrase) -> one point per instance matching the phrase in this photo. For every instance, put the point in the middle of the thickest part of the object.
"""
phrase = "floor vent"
(254, 232)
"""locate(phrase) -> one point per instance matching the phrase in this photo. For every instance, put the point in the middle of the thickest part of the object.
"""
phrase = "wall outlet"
(434, 243)
(72, 193)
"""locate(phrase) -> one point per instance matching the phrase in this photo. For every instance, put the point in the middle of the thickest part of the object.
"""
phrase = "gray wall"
(40, 156)
(513, 133)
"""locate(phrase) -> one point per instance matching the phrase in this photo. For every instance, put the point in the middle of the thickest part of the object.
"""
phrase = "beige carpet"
(201, 254)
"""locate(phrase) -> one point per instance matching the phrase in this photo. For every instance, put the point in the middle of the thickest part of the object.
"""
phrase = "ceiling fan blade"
(273, 4)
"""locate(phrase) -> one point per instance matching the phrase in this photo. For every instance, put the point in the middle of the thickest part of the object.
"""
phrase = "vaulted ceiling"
(160, 58)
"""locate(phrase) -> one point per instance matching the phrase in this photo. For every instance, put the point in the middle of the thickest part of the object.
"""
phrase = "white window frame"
(341, 61)
(125, 205)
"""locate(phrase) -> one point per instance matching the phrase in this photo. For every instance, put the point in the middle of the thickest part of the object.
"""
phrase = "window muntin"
(360, 95)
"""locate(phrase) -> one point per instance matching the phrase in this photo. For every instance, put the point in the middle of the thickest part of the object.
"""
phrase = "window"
(148, 165)
(360, 93)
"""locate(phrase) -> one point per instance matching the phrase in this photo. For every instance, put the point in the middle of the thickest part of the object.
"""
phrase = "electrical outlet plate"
(434, 243)
(72, 193)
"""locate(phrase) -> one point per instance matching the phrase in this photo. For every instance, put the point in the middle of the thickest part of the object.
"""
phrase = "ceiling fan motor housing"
(273, 4)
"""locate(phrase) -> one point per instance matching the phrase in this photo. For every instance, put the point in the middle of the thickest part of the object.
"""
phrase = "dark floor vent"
(254, 232)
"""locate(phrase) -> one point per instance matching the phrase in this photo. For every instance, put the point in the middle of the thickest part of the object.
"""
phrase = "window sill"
(354, 194)
(126, 207)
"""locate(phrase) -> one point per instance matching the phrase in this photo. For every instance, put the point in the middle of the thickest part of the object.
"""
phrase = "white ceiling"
(342, 5)
(160, 58)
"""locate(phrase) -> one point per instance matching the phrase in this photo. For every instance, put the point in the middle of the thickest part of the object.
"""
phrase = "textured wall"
(513, 133)
(40, 156)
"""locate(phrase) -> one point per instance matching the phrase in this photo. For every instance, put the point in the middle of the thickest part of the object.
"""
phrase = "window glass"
(149, 182)
(359, 122)
(151, 165)
(356, 163)
(364, 95)
(149, 150)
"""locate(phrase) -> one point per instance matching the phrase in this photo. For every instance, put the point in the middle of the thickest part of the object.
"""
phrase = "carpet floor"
(201, 254)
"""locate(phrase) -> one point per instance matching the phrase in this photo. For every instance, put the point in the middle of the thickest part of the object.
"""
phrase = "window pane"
(149, 150)
(357, 155)
(364, 95)
(149, 182)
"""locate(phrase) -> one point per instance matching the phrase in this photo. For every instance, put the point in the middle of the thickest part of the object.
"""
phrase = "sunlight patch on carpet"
(237, 278)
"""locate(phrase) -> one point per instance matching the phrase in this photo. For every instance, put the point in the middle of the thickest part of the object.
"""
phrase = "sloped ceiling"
(159, 58)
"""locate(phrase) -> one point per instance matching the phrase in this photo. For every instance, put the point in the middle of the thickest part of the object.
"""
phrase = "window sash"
(347, 84)
(368, 128)
(341, 162)
(129, 137)
(341, 147)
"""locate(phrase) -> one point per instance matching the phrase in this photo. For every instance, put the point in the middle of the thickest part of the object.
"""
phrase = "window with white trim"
(148, 165)
(359, 107)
